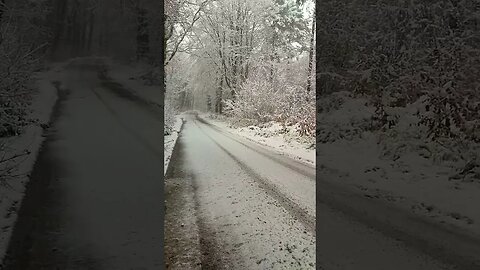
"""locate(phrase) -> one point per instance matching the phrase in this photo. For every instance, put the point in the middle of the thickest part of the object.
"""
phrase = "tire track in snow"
(298, 167)
(293, 209)
(206, 239)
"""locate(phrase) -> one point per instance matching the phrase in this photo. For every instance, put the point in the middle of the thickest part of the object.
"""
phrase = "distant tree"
(311, 59)
(209, 103)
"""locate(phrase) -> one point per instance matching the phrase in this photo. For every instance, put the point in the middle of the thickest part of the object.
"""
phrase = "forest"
(398, 103)
(412, 66)
(36, 34)
(359, 104)
(233, 58)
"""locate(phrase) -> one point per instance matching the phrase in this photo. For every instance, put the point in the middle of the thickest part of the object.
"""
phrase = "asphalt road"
(233, 204)
(221, 201)
(94, 200)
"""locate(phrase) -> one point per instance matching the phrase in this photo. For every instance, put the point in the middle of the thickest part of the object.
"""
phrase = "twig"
(15, 156)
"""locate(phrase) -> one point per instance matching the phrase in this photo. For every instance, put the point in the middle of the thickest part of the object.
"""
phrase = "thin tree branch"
(196, 16)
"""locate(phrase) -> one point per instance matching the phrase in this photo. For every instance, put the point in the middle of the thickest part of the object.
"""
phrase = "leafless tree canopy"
(234, 57)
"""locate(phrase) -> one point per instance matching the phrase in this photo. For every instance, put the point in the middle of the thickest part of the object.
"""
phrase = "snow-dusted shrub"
(171, 109)
(257, 99)
(280, 99)
(453, 115)
(343, 115)
(175, 91)
(170, 113)
(17, 64)
(415, 60)
(402, 50)
(299, 109)
(22, 43)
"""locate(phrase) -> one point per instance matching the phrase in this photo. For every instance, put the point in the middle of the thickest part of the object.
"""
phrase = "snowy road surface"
(231, 204)
(223, 203)
(95, 197)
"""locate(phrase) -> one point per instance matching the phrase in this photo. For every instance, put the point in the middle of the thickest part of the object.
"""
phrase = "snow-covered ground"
(43, 101)
(399, 166)
(170, 140)
(282, 140)
(247, 211)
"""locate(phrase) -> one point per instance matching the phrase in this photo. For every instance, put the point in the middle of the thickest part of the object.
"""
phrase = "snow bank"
(170, 141)
(30, 141)
(284, 140)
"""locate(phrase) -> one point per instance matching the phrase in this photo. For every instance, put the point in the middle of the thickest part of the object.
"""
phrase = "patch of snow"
(170, 141)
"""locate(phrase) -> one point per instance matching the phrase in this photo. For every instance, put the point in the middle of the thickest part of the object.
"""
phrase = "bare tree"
(174, 45)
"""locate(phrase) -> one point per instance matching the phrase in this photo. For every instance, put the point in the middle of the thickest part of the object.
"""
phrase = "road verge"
(170, 141)
(45, 101)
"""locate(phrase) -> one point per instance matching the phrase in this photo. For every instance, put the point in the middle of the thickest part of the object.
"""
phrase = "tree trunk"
(2, 10)
(310, 56)
(161, 62)
(59, 23)
(218, 102)
(272, 56)
(83, 34)
(74, 31)
(90, 32)
(143, 38)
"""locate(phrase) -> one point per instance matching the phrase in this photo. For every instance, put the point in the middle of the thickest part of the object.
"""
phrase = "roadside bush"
(396, 52)
(282, 99)
(15, 71)
(417, 63)
(21, 39)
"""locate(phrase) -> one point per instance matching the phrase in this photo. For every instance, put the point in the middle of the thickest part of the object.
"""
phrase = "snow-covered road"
(94, 200)
(224, 210)
(232, 204)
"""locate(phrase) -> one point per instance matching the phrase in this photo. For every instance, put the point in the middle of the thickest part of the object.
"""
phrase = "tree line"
(228, 48)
